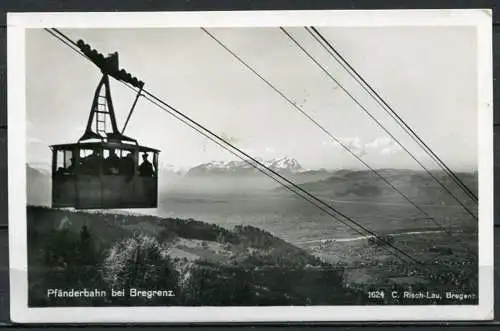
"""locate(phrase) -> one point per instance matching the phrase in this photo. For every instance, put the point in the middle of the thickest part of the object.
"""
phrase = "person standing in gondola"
(92, 163)
(146, 168)
(112, 163)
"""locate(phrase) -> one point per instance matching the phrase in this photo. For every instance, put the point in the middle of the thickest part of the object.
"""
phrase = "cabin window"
(60, 162)
(90, 161)
(113, 164)
(118, 161)
(85, 153)
(127, 160)
(64, 162)
(69, 162)
(146, 164)
(125, 153)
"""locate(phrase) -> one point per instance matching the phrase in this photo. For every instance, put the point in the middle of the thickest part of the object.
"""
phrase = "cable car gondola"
(105, 169)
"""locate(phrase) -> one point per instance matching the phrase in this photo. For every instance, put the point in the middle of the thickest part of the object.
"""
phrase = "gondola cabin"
(105, 169)
(104, 175)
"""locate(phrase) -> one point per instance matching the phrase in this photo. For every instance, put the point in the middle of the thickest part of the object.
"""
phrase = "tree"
(141, 262)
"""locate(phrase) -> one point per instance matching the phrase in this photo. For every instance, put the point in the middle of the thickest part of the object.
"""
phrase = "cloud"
(378, 146)
(354, 144)
(384, 146)
(249, 151)
(229, 138)
(389, 150)
(378, 143)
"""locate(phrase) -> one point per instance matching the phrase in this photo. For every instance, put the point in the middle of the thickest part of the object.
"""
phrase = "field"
(451, 239)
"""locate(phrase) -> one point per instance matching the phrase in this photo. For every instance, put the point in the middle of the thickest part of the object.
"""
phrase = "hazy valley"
(234, 197)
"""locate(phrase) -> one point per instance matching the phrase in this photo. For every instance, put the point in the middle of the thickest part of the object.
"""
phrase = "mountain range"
(206, 178)
(239, 177)
(285, 164)
(38, 186)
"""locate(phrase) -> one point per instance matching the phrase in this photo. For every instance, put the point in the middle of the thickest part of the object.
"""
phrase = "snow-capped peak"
(286, 163)
(282, 164)
(165, 167)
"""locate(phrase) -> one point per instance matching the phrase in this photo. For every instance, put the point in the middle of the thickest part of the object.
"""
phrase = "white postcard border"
(18, 22)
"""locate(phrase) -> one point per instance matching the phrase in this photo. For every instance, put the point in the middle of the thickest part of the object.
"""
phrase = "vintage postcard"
(250, 166)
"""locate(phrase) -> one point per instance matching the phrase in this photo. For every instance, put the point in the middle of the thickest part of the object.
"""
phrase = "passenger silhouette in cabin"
(146, 168)
(71, 167)
(91, 163)
(112, 163)
(68, 170)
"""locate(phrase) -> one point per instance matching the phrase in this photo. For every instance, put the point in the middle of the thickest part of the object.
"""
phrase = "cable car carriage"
(105, 169)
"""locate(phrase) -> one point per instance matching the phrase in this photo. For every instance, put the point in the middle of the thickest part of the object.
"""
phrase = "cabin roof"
(118, 145)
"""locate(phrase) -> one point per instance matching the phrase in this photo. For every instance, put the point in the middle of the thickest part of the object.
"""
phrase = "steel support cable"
(329, 133)
(338, 141)
(149, 97)
(308, 54)
(315, 201)
(388, 109)
(320, 204)
(380, 124)
(370, 232)
(221, 142)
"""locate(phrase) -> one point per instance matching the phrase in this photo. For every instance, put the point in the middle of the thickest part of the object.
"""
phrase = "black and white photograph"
(272, 166)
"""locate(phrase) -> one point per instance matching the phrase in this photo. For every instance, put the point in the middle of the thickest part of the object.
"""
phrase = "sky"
(427, 74)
